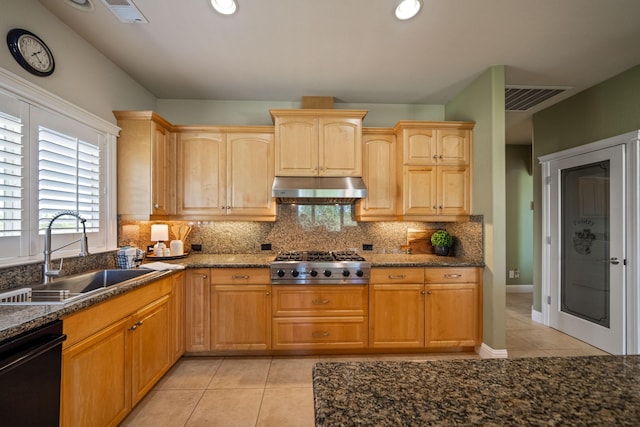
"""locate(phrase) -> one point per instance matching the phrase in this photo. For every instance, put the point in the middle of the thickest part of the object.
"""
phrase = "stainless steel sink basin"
(72, 288)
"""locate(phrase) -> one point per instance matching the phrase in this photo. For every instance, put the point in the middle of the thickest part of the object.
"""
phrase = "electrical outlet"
(516, 273)
(511, 274)
(367, 247)
(196, 247)
(265, 247)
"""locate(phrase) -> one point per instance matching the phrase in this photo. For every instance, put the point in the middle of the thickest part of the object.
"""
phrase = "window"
(331, 217)
(53, 159)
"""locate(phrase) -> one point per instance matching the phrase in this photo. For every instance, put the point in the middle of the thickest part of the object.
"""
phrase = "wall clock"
(30, 52)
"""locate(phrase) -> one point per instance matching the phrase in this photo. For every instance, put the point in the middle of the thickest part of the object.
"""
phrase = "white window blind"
(11, 165)
(68, 180)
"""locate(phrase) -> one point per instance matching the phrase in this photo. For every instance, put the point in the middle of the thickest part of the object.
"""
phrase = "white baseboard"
(519, 288)
(487, 352)
(536, 316)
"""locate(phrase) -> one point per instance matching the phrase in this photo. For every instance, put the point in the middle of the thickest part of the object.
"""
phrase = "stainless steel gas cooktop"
(320, 267)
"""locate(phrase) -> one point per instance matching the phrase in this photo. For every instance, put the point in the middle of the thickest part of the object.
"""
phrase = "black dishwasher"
(30, 367)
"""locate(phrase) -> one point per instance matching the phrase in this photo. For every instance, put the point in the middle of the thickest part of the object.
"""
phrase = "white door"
(587, 248)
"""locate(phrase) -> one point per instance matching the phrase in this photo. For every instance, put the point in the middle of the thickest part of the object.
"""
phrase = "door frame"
(631, 141)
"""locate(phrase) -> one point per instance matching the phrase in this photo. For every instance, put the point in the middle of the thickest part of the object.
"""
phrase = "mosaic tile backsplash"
(311, 227)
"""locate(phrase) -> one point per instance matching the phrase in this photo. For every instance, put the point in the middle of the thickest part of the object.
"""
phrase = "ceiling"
(357, 52)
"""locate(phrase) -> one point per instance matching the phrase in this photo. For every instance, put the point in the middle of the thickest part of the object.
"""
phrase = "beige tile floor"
(277, 391)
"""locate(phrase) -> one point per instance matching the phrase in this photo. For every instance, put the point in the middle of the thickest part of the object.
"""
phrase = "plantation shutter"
(11, 181)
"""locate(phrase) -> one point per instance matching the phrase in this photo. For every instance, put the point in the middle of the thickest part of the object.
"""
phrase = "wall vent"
(126, 11)
(524, 98)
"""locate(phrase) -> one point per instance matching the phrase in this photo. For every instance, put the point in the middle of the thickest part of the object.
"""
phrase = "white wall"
(83, 76)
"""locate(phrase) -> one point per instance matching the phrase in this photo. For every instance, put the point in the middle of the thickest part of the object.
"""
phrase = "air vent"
(524, 98)
(126, 11)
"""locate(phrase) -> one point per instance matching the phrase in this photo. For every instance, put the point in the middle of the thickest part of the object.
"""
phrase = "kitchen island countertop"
(541, 391)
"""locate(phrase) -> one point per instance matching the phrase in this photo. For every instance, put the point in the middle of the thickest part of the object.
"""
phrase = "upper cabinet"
(379, 174)
(226, 174)
(146, 152)
(434, 169)
(313, 142)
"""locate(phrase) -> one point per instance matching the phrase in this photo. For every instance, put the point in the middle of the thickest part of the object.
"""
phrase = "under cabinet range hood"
(305, 190)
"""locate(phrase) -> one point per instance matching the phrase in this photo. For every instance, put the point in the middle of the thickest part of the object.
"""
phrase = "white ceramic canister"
(176, 247)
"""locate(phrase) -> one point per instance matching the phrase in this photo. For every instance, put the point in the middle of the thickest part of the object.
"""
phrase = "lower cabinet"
(240, 309)
(197, 310)
(314, 317)
(425, 307)
(114, 353)
(178, 313)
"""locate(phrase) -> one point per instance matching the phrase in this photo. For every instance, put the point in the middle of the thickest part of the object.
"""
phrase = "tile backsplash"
(310, 227)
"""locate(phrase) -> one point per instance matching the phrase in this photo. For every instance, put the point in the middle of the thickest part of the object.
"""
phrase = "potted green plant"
(441, 241)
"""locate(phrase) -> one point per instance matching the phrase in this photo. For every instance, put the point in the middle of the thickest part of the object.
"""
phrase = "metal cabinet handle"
(422, 292)
(135, 325)
(614, 261)
(320, 334)
(435, 156)
(397, 276)
(156, 206)
(320, 301)
(452, 276)
(240, 277)
(267, 293)
(429, 292)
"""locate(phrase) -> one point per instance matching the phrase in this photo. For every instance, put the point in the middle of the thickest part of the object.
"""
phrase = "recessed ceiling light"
(84, 5)
(225, 7)
(407, 9)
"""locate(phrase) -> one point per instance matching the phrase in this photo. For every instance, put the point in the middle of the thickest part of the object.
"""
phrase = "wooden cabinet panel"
(96, 379)
(379, 174)
(241, 317)
(178, 313)
(150, 346)
(240, 276)
(197, 310)
(295, 333)
(397, 275)
(454, 146)
(452, 315)
(419, 146)
(420, 191)
(451, 275)
(289, 301)
(453, 187)
(340, 146)
(397, 315)
(296, 145)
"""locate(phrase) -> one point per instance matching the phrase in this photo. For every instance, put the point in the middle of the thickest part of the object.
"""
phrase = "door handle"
(614, 261)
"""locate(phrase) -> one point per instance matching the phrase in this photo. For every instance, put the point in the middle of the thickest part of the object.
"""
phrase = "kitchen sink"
(72, 288)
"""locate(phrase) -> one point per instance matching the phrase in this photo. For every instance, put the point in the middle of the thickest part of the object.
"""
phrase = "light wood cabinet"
(178, 314)
(435, 170)
(197, 310)
(318, 142)
(379, 174)
(114, 353)
(430, 307)
(226, 174)
(146, 168)
(315, 317)
(240, 309)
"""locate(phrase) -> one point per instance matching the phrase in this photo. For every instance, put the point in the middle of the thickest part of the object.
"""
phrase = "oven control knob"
(313, 273)
(359, 273)
(346, 273)
(295, 273)
(327, 273)
(280, 273)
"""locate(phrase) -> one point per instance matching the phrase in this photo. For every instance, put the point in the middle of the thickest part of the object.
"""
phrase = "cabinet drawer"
(319, 333)
(397, 275)
(239, 276)
(451, 275)
(292, 301)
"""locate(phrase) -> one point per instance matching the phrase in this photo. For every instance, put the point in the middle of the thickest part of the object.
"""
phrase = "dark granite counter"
(418, 260)
(555, 391)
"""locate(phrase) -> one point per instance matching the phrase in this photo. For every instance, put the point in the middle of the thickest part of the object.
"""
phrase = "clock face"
(30, 52)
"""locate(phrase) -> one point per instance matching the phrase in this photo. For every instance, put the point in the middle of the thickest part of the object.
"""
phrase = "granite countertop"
(549, 391)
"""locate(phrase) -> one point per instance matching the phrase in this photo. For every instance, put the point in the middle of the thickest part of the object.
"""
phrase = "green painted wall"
(483, 102)
(607, 109)
(519, 195)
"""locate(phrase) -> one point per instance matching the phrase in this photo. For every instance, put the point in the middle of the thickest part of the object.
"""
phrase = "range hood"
(318, 190)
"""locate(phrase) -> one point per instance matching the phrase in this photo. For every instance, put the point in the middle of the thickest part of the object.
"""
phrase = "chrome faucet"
(84, 251)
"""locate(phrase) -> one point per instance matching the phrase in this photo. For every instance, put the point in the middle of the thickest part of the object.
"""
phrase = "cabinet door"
(452, 315)
(197, 310)
(162, 155)
(250, 171)
(241, 317)
(202, 182)
(453, 146)
(150, 346)
(317, 333)
(379, 174)
(177, 319)
(419, 146)
(396, 315)
(340, 146)
(420, 190)
(297, 146)
(96, 379)
(454, 193)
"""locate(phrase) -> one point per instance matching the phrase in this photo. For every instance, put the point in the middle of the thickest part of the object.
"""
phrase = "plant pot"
(441, 250)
